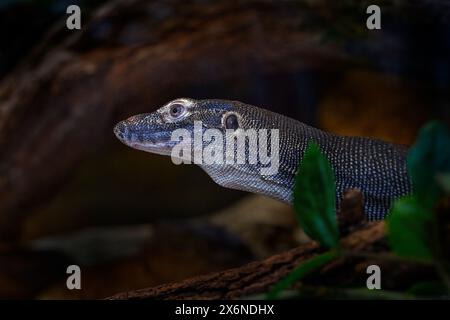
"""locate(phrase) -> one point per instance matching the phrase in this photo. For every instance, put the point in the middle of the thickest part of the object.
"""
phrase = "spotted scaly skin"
(377, 168)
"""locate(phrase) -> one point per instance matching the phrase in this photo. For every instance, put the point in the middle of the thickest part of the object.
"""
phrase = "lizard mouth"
(150, 142)
(161, 148)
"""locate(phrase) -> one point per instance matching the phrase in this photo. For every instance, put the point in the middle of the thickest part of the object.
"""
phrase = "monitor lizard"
(375, 167)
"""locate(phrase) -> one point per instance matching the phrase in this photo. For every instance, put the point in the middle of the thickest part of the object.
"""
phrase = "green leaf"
(411, 228)
(429, 157)
(315, 197)
(302, 270)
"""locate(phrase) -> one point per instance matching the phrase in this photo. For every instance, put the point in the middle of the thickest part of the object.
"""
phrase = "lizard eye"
(176, 110)
(231, 122)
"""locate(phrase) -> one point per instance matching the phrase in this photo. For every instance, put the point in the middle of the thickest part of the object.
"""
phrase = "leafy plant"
(315, 207)
(315, 197)
(427, 159)
(413, 228)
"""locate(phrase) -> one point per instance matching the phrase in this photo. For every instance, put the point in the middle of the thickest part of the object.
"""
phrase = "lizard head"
(178, 124)
(153, 132)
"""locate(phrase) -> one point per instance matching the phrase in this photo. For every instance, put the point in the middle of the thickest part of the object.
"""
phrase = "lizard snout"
(120, 130)
(136, 132)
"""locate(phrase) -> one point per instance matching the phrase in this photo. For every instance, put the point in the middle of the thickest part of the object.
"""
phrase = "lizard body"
(377, 168)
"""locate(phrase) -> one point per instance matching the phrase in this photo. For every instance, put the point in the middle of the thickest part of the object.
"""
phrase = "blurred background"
(71, 193)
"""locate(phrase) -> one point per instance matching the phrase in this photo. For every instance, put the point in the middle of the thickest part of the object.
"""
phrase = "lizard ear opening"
(231, 121)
